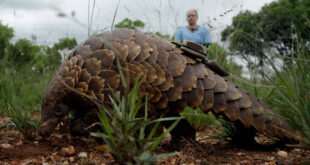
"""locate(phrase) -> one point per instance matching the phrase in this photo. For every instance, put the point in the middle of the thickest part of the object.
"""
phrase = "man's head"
(192, 17)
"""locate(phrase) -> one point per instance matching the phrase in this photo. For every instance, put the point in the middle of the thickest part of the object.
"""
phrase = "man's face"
(192, 17)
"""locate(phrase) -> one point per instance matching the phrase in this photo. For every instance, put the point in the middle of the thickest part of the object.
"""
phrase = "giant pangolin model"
(170, 79)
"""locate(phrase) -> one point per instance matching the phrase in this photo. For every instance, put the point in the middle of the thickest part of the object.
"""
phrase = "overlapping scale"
(170, 79)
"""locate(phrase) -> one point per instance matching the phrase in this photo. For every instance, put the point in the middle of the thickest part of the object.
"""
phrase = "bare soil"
(16, 149)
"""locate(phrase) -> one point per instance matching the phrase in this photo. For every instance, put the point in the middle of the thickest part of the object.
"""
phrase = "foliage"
(6, 34)
(22, 52)
(275, 27)
(199, 119)
(53, 54)
(20, 94)
(65, 43)
(131, 136)
(131, 24)
(286, 91)
(291, 95)
(25, 69)
(243, 34)
(278, 31)
(137, 24)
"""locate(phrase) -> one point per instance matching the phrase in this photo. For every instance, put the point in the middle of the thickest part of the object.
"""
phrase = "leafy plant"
(199, 119)
(132, 137)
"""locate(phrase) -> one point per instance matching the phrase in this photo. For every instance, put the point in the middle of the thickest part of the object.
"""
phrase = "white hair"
(194, 10)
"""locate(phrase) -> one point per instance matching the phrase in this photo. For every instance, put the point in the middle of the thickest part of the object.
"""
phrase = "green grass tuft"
(21, 91)
(130, 134)
(291, 96)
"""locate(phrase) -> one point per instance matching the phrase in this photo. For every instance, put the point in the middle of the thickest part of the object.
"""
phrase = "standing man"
(193, 32)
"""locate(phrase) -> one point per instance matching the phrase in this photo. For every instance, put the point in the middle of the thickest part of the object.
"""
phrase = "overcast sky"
(41, 18)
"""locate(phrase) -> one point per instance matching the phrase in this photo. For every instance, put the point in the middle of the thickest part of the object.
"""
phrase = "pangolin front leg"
(170, 79)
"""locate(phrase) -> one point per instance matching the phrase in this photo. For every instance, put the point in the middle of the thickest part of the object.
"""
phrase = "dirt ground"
(16, 149)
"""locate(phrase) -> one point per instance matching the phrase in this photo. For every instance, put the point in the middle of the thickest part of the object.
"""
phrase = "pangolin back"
(171, 80)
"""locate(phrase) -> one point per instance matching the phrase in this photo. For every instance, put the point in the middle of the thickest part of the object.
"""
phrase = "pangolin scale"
(170, 79)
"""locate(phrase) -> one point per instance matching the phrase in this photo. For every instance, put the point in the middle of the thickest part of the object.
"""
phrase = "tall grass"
(291, 95)
(21, 91)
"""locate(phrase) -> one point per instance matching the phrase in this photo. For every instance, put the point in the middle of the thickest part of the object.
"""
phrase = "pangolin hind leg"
(240, 135)
(183, 131)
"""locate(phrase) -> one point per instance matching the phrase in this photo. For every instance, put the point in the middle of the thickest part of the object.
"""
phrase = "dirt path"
(15, 150)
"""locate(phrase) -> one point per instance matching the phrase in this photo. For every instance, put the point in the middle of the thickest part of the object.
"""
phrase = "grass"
(129, 133)
(286, 91)
(21, 91)
(291, 95)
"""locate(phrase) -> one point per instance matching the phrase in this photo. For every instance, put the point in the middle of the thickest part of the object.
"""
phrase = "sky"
(46, 21)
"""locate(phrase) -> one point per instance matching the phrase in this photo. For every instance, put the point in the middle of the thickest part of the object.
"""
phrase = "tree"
(6, 34)
(54, 53)
(280, 26)
(22, 52)
(64, 43)
(131, 24)
(41, 57)
(136, 24)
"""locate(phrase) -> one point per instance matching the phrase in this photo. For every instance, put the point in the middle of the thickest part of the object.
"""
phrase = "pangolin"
(170, 79)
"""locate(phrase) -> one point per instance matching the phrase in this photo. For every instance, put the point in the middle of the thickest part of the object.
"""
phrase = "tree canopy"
(25, 52)
(131, 24)
(6, 34)
(280, 26)
(22, 52)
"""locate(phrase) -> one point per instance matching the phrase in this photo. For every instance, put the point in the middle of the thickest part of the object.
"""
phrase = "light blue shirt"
(200, 36)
